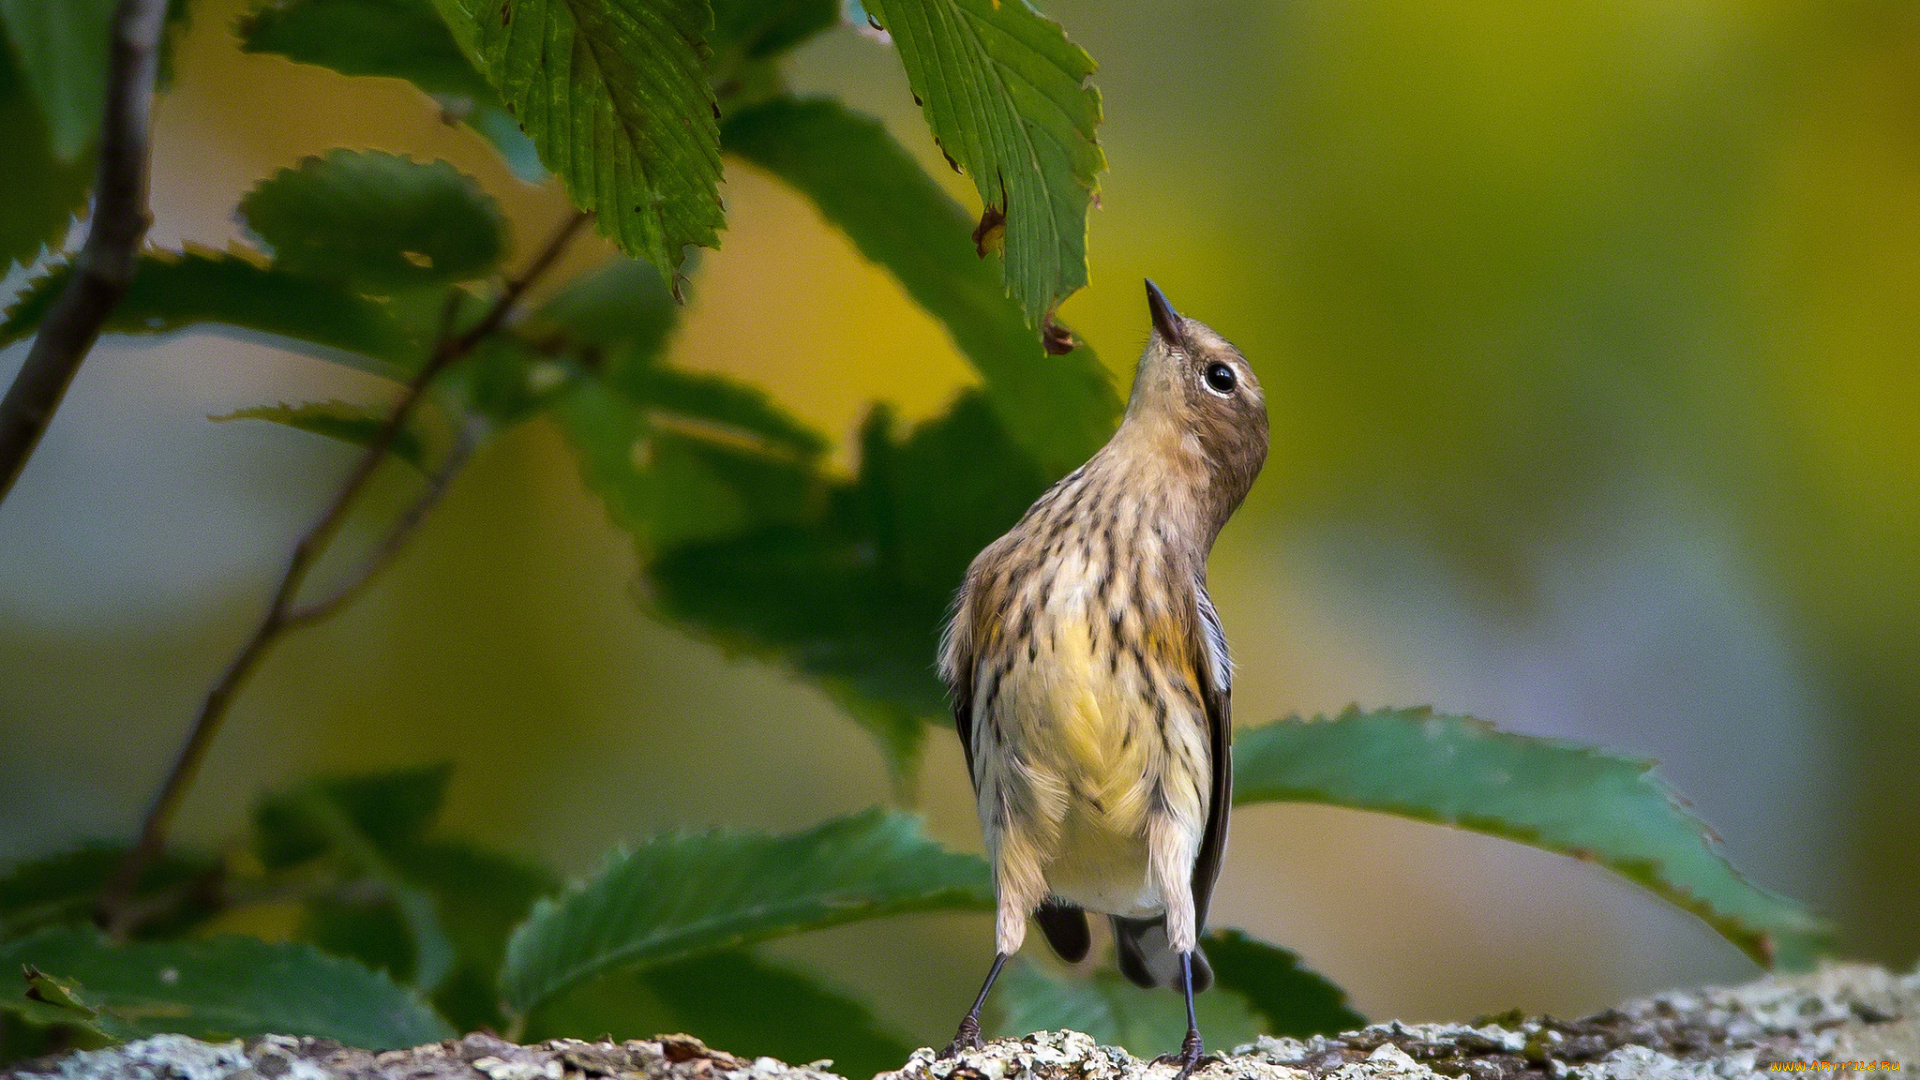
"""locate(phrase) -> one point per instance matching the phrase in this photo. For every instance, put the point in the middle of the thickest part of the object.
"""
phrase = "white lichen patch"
(502, 1069)
(162, 1057)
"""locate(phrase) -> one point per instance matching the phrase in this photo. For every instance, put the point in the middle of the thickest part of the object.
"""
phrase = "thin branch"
(399, 532)
(104, 269)
(281, 611)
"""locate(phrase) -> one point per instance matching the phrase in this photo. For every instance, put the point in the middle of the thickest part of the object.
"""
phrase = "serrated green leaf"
(41, 193)
(689, 893)
(1288, 998)
(734, 999)
(614, 94)
(754, 545)
(228, 987)
(1561, 796)
(1010, 101)
(1116, 1012)
(61, 888)
(174, 291)
(344, 421)
(62, 49)
(852, 596)
(400, 39)
(1061, 409)
(377, 221)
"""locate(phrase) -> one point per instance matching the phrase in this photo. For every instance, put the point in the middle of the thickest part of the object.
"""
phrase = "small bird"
(1090, 680)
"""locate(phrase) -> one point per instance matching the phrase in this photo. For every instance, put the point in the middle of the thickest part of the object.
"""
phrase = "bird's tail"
(1146, 959)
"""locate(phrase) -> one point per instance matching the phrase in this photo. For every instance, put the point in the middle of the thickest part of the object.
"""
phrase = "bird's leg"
(968, 1037)
(1193, 1052)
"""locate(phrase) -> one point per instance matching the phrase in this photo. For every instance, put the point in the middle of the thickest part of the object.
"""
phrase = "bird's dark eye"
(1220, 378)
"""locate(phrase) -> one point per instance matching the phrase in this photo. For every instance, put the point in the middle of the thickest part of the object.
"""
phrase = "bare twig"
(282, 614)
(104, 269)
(398, 533)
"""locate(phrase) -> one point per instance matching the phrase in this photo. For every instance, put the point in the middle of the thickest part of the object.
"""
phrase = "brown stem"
(398, 533)
(281, 611)
(104, 269)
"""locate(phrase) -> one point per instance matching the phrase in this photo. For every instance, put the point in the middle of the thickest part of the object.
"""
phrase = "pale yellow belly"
(1102, 870)
(1076, 755)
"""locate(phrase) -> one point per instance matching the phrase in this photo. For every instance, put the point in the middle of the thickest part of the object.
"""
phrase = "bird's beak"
(1166, 321)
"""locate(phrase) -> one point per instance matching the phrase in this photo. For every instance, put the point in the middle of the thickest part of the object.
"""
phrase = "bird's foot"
(1193, 1055)
(967, 1038)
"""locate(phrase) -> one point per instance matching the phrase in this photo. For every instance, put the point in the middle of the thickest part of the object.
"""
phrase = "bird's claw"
(967, 1038)
(1193, 1055)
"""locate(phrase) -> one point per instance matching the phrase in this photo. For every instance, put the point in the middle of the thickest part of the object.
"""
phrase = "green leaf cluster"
(403, 936)
(622, 99)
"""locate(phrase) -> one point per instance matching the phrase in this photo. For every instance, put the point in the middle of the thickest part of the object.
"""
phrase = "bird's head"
(1197, 398)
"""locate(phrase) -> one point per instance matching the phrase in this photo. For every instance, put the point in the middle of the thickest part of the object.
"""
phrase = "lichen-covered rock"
(1840, 1014)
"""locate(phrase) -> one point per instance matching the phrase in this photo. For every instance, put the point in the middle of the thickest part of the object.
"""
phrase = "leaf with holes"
(1011, 104)
(1561, 796)
(377, 221)
(683, 894)
(615, 95)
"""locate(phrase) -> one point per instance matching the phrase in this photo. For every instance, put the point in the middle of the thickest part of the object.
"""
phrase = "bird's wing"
(1216, 689)
(956, 668)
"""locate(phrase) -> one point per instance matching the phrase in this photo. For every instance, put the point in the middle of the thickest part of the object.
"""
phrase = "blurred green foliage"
(746, 535)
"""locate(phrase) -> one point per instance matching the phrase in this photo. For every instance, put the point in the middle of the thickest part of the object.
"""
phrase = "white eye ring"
(1220, 379)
